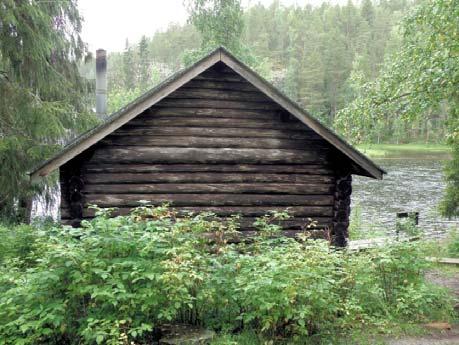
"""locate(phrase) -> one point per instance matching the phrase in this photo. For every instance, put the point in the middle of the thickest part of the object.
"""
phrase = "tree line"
(319, 56)
(376, 72)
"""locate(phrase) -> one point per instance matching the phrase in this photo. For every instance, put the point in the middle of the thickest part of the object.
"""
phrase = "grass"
(403, 150)
(368, 336)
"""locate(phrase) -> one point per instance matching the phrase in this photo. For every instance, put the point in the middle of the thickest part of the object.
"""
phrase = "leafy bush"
(115, 280)
(453, 244)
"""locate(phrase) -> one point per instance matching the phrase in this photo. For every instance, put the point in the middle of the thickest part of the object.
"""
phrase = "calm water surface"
(411, 184)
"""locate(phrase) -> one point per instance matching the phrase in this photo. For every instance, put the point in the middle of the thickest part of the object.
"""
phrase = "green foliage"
(219, 22)
(453, 244)
(319, 56)
(450, 203)
(19, 243)
(422, 78)
(115, 280)
(42, 95)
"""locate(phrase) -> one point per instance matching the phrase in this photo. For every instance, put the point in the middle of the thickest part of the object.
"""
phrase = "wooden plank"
(247, 223)
(216, 132)
(227, 95)
(210, 188)
(206, 142)
(216, 76)
(204, 177)
(448, 261)
(124, 116)
(220, 85)
(141, 154)
(226, 211)
(217, 104)
(131, 200)
(213, 122)
(96, 167)
(316, 233)
(212, 112)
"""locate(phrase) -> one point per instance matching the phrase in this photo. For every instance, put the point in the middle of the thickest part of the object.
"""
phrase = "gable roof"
(151, 97)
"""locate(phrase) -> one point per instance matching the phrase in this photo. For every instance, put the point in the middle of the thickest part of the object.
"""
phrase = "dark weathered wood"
(130, 200)
(217, 104)
(215, 132)
(171, 112)
(72, 184)
(218, 145)
(210, 188)
(247, 223)
(215, 76)
(226, 211)
(368, 167)
(204, 177)
(341, 209)
(206, 142)
(309, 169)
(227, 95)
(311, 233)
(220, 85)
(141, 154)
(132, 110)
(213, 122)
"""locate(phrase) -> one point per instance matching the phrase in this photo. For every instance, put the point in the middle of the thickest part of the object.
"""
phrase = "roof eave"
(277, 96)
(162, 90)
(125, 114)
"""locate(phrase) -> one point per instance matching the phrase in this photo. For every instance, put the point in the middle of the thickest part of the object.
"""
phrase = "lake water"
(411, 185)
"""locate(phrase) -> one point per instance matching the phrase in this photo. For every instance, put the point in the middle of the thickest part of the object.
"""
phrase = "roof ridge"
(178, 79)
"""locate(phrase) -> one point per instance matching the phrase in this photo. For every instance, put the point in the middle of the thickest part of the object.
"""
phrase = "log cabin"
(214, 137)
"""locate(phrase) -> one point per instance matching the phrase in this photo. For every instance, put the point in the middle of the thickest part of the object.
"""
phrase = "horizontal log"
(190, 141)
(204, 177)
(291, 231)
(247, 223)
(216, 132)
(212, 112)
(220, 85)
(131, 200)
(247, 235)
(227, 211)
(96, 167)
(216, 76)
(142, 154)
(217, 104)
(210, 188)
(214, 122)
(228, 95)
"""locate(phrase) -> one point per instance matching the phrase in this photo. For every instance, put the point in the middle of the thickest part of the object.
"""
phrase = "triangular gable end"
(364, 165)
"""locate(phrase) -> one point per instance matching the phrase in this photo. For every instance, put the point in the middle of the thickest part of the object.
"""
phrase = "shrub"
(115, 280)
(453, 244)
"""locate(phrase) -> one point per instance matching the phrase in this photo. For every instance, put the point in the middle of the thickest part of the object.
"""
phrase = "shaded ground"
(450, 337)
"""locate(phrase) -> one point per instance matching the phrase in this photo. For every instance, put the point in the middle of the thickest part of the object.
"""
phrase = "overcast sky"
(107, 23)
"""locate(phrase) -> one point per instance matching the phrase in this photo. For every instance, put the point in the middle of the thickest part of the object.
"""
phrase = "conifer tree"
(42, 95)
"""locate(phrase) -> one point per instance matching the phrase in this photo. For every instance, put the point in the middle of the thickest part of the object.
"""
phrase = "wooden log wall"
(341, 209)
(216, 144)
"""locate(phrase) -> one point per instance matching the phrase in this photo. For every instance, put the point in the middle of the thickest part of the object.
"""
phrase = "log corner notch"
(341, 210)
(72, 184)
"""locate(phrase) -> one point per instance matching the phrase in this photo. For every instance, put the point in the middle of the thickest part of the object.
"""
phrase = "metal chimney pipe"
(101, 83)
